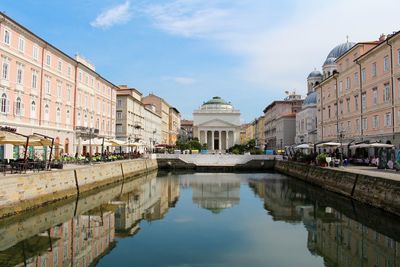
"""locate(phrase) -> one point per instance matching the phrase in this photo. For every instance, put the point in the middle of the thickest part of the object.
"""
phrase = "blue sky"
(187, 51)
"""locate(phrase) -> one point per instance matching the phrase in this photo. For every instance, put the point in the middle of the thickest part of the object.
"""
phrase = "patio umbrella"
(304, 146)
(12, 138)
(115, 142)
(35, 140)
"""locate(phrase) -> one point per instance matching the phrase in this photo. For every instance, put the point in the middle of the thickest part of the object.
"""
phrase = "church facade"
(217, 124)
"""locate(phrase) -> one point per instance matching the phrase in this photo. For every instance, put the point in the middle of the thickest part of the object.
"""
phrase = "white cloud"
(119, 14)
(181, 80)
(278, 45)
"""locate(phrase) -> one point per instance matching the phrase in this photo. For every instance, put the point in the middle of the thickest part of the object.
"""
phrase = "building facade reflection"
(214, 192)
(57, 237)
(337, 237)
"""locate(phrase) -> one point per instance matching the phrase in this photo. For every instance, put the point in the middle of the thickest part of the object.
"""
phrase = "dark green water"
(203, 219)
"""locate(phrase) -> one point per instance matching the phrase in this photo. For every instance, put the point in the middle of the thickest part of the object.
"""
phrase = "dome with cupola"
(337, 51)
(216, 103)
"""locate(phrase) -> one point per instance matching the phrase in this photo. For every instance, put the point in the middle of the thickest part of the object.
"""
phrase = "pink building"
(44, 90)
(360, 101)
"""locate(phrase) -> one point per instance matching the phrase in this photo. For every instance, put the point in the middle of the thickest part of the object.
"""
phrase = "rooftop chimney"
(382, 38)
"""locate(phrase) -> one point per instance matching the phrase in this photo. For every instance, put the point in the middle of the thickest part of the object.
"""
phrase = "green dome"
(215, 101)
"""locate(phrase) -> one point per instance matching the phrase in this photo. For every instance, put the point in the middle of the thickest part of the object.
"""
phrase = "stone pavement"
(371, 171)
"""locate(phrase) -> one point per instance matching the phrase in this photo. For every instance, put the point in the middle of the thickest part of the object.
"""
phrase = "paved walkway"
(371, 171)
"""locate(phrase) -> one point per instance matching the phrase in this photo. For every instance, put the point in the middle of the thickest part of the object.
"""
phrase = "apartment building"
(44, 90)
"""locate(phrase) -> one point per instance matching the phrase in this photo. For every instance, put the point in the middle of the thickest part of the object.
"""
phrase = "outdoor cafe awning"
(329, 144)
(304, 146)
(373, 145)
(96, 142)
(20, 140)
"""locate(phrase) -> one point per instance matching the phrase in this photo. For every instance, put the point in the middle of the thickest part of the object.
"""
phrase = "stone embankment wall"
(219, 163)
(28, 191)
(378, 192)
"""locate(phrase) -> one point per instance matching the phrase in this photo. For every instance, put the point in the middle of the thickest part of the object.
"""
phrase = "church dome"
(314, 74)
(337, 51)
(216, 103)
(311, 99)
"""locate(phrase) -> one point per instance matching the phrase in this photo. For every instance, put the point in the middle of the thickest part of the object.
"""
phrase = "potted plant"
(321, 158)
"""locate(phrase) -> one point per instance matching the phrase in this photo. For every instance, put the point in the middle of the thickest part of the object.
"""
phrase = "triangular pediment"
(217, 123)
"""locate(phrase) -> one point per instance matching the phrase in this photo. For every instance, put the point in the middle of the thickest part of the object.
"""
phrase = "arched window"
(33, 110)
(46, 112)
(58, 115)
(4, 103)
(18, 106)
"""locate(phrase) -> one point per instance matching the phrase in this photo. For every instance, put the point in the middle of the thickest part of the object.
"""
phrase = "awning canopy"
(373, 145)
(329, 144)
(11, 138)
(96, 142)
(304, 146)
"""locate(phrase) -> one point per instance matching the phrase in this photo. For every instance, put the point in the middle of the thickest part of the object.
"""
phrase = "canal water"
(203, 219)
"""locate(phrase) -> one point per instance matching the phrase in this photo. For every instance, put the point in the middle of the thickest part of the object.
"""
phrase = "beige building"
(250, 132)
(129, 116)
(174, 125)
(360, 102)
(152, 127)
(280, 122)
(162, 109)
(259, 132)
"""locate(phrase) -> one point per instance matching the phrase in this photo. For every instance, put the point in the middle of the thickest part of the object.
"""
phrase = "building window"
(18, 106)
(35, 52)
(69, 70)
(33, 110)
(20, 74)
(59, 65)
(348, 126)
(6, 70)
(21, 44)
(357, 124)
(119, 114)
(348, 104)
(386, 93)
(80, 76)
(388, 119)
(7, 36)
(386, 63)
(68, 117)
(34, 79)
(58, 89)
(375, 122)
(58, 115)
(373, 69)
(363, 101)
(47, 86)
(4, 103)
(364, 123)
(119, 103)
(46, 112)
(375, 96)
(68, 92)
(347, 83)
(340, 87)
(48, 59)
(119, 128)
(363, 76)
(329, 111)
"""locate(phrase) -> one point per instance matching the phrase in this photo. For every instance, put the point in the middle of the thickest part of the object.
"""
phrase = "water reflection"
(342, 238)
(57, 236)
(212, 191)
(81, 232)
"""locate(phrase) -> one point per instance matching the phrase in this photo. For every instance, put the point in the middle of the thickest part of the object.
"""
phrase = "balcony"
(86, 130)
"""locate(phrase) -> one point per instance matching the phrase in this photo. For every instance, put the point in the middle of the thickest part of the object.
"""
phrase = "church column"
(205, 137)
(219, 140)
(226, 140)
(212, 140)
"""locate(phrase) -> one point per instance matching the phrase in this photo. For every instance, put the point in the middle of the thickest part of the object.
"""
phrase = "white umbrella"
(304, 146)
(329, 144)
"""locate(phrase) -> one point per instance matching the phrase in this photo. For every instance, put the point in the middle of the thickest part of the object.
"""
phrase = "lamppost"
(153, 140)
(341, 135)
